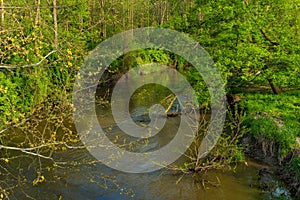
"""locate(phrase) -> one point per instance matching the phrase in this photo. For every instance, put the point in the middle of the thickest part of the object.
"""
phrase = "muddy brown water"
(95, 181)
(98, 182)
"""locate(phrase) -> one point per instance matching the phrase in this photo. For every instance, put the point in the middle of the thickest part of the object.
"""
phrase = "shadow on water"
(98, 182)
(86, 178)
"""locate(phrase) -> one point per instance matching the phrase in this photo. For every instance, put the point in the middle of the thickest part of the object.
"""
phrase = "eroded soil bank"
(264, 151)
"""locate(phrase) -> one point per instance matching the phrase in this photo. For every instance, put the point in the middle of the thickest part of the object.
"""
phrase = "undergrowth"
(276, 118)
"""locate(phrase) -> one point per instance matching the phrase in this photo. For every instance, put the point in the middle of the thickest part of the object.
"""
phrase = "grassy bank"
(274, 127)
(275, 118)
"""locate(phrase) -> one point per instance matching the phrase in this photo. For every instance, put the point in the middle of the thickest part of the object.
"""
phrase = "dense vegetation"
(254, 44)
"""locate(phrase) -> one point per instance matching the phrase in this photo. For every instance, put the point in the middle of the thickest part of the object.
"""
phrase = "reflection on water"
(95, 181)
(102, 183)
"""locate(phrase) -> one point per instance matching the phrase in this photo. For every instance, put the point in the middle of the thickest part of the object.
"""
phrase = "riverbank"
(273, 136)
(80, 176)
(259, 148)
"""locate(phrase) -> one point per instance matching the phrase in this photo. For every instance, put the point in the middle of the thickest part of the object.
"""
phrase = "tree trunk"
(103, 18)
(2, 14)
(275, 89)
(55, 24)
(131, 16)
(38, 14)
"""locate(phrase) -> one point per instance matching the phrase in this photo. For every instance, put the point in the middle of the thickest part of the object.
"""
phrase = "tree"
(249, 40)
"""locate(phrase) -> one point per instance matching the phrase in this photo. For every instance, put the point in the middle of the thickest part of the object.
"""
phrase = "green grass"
(284, 105)
(275, 117)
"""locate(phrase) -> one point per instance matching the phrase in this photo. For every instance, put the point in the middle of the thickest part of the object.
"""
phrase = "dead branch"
(267, 38)
(30, 65)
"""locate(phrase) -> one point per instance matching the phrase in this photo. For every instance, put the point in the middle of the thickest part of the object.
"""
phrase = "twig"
(26, 66)
(25, 150)
(14, 126)
(267, 38)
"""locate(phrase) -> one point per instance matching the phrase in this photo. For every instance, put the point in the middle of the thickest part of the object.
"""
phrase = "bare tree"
(2, 13)
(55, 24)
(38, 13)
(103, 18)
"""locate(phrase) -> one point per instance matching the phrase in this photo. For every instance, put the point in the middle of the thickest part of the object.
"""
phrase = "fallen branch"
(170, 105)
(26, 151)
(267, 38)
(26, 66)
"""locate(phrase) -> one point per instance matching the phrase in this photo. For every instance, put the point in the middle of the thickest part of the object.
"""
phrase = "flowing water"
(96, 181)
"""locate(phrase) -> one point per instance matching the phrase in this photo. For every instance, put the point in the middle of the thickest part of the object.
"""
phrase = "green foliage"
(267, 128)
(275, 118)
(250, 41)
(296, 165)
(228, 151)
(199, 86)
(284, 106)
(264, 126)
(229, 147)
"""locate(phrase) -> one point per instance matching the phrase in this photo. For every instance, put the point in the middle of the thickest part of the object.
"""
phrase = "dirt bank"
(268, 152)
